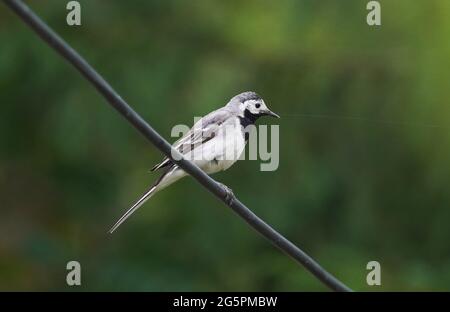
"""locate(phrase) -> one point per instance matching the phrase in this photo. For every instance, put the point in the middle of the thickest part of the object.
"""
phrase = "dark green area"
(364, 153)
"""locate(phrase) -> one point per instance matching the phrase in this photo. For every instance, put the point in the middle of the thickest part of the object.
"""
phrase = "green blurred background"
(365, 145)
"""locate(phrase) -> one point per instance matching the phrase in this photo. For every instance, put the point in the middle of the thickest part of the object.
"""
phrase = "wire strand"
(113, 98)
(366, 120)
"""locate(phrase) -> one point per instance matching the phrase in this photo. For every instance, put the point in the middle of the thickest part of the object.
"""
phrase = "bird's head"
(251, 104)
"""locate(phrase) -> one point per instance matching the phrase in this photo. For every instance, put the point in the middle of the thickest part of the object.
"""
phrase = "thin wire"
(363, 119)
(113, 98)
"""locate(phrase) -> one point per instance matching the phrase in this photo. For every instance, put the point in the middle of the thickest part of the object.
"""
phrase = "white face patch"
(255, 106)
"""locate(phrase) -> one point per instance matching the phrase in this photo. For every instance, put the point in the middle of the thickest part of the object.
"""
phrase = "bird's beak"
(270, 113)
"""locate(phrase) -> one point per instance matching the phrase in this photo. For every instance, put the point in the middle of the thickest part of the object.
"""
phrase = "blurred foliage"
(370, 183)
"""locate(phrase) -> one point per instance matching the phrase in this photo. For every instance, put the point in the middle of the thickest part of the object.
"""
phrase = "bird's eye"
(257, 105)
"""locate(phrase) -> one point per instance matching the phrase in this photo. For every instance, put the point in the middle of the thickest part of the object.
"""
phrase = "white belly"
(222, 151)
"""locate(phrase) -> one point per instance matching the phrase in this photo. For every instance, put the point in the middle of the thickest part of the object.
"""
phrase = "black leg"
(229, 197)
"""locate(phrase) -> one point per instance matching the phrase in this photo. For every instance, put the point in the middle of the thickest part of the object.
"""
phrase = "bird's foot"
(229, 197)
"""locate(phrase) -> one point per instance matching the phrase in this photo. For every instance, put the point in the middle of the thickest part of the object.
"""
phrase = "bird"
(214, 143)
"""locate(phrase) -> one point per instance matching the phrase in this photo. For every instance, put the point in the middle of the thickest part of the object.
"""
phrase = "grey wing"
(203, 130)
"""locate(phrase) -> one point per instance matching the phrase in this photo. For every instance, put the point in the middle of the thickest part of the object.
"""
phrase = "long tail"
(133, 208)
(151, 191)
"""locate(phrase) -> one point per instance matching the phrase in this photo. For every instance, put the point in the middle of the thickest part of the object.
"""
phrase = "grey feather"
(203, 130)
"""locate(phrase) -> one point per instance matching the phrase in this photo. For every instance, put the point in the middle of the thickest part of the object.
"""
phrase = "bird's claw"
(229, 196)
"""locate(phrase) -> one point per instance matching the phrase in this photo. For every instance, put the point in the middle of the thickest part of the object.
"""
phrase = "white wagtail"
(214, 143)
